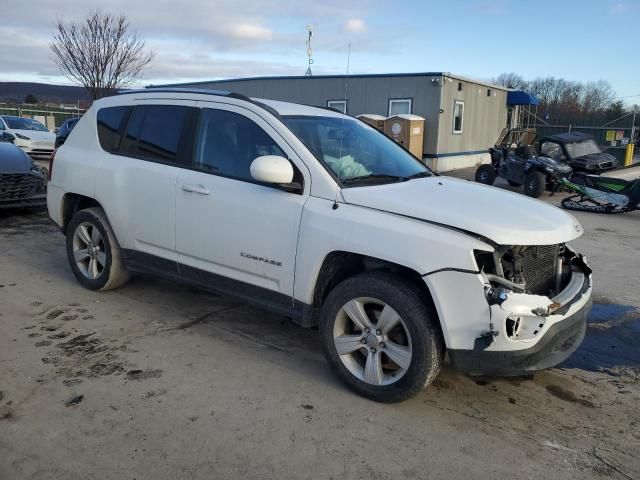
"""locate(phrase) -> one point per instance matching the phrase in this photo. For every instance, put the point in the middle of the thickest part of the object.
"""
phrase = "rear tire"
(486, 174)
(93, 251)
(404, 358)
(534, 183)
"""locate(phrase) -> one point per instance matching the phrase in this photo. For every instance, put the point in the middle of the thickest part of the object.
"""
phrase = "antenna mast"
(309, 51)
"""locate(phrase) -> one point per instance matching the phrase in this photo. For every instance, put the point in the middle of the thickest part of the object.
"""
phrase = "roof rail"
(200, 91)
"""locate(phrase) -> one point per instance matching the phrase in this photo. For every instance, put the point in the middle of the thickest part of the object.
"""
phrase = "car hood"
(37, 135)
(597, 158)
(551, 163)
(504, 217)
(13, 159)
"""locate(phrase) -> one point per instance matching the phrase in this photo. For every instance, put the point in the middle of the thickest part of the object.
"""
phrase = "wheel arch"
(72, 203)
(339, 265)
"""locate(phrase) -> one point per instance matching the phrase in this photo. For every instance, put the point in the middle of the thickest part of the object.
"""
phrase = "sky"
(210, 39)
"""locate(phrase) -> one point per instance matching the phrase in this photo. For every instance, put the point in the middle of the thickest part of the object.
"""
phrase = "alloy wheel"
(372, 341)
(89, 250)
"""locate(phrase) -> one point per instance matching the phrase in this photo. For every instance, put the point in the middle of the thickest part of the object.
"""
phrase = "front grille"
(40, 153)
(539, 267)
(20, 185)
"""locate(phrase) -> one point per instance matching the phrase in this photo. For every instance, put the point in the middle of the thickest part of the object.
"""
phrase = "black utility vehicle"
(523, 167)
(579, 151)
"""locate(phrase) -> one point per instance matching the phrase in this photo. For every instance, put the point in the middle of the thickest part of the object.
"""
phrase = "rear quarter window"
(157, 133)
(111, 122)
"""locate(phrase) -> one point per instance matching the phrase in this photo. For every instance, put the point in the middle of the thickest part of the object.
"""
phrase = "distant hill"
(12, 91)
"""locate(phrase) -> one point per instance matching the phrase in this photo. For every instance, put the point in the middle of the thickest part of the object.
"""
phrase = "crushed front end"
(531, 314)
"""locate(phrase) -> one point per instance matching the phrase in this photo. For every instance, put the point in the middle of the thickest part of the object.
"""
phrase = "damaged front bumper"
(557, 344)
(530, 332)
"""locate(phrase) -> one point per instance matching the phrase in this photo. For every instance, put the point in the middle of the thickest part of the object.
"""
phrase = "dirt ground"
(159, 381)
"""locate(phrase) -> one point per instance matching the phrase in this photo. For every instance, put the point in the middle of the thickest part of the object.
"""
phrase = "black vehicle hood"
(558, 167)
(13, 159)
(596, 158)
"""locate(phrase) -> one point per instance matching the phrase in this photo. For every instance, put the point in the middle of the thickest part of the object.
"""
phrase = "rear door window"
(111, 122)
(158, 133)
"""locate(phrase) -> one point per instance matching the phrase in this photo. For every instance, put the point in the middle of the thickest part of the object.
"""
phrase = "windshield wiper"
(422, 174)
(374, 176)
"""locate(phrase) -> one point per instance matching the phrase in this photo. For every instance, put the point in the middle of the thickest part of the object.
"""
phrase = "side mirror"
(9, 137)
(272, 169)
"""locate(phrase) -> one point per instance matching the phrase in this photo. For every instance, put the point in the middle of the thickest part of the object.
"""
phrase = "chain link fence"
(613, 136)
(51, 117)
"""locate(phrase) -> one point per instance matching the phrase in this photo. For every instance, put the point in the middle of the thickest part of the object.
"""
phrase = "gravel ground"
(159, 381)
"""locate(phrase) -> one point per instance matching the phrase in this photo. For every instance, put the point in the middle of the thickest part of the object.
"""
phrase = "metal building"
(463, 117)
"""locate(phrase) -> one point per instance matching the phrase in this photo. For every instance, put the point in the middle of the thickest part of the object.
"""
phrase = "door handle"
(199, 189)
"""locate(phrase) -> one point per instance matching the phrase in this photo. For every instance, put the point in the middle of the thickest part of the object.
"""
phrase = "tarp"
(518, 97)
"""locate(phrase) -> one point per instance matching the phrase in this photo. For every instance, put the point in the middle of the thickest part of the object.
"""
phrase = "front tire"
(534, 183)
(486, 174)
(93, 251)
(380, 337)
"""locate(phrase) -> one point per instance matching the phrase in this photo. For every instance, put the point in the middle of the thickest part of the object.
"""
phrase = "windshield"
(19, 123)
(355, 152)
(581, 149)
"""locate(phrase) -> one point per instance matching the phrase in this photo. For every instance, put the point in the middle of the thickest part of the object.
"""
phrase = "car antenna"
(346, 85)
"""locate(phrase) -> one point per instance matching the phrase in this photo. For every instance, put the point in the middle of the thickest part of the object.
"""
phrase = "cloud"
(355, 25)
(174, 67)
(202, 40)
(252, 32)
(24, 51)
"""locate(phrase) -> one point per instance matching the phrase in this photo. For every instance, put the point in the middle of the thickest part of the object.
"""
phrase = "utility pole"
(309, 51)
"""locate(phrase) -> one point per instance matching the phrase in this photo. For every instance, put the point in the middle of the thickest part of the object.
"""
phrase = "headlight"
(22, 137)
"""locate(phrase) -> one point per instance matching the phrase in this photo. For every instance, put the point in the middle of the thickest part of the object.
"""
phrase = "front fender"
(411, 243)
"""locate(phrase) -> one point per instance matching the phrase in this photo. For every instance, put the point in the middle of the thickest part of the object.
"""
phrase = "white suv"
(315, 215)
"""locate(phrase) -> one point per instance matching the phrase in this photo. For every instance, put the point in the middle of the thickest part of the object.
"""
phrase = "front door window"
(228, 143)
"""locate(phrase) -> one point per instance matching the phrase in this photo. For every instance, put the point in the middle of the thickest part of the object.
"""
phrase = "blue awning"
(518, 97)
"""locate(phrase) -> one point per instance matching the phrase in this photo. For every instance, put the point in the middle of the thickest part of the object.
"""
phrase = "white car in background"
(30, 135)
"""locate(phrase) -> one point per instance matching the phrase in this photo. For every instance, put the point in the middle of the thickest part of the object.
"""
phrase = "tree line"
(567, 101)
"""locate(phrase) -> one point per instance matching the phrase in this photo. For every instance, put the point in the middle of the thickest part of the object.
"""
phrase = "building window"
(399, 106)
(340, 105)
(488, 92)
(459, 86)
(458, 116)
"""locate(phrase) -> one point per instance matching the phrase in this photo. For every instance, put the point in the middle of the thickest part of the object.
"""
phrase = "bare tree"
(565, 100)
(597, 95)
(510, 80)
(100, 53)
